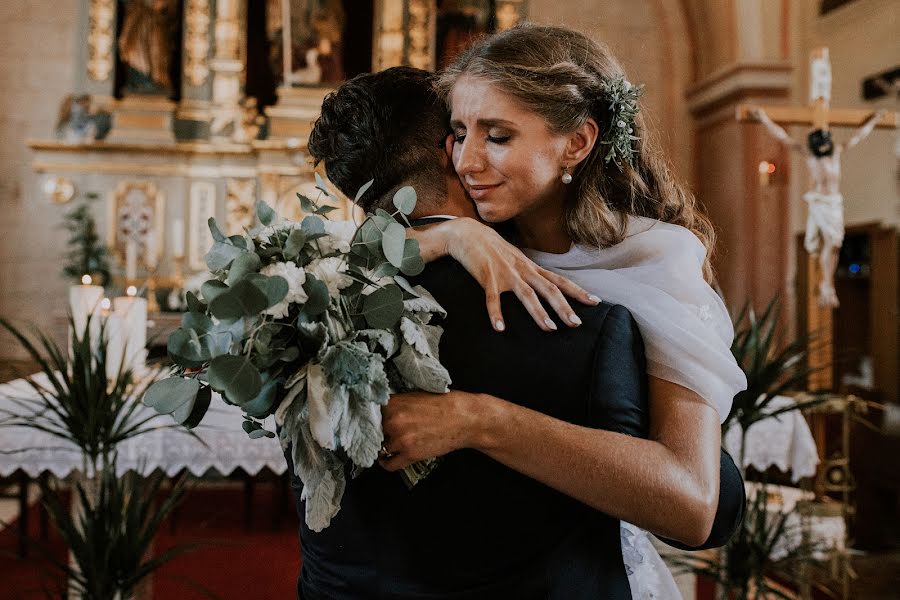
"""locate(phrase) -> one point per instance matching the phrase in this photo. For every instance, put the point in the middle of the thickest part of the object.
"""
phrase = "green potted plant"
(86, 255)
(111, 537)
(744, 567)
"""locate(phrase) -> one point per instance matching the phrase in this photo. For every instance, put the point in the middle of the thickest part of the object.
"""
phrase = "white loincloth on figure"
(824, 221)
(825, 234)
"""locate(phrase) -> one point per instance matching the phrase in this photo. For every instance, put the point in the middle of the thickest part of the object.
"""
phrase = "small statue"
(76, 124)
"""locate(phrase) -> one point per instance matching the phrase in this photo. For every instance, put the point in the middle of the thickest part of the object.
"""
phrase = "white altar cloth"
(784, 441)
(170, 450)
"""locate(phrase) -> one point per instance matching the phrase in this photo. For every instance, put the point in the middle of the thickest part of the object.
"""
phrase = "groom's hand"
(420, 425)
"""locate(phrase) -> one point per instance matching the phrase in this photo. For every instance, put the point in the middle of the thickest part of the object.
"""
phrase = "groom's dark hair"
(388, 127)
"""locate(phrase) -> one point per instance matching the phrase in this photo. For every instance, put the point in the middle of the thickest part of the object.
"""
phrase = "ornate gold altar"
(208, 105)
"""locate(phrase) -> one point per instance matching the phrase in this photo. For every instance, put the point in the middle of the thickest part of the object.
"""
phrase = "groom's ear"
(581, 141)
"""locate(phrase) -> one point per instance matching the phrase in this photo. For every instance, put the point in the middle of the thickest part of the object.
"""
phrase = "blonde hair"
(560, 74)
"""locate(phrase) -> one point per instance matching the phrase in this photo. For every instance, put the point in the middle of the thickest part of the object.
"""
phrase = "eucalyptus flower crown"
(618, 130)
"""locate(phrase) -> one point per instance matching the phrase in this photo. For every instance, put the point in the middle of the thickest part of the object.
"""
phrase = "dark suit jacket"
(474, 528)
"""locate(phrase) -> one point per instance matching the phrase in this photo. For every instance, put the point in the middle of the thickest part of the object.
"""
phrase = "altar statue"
(825, 220)
(144, 41)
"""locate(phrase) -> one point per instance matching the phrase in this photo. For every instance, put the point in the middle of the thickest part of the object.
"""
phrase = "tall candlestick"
(131, 260)
(178, 238)
(84, 302)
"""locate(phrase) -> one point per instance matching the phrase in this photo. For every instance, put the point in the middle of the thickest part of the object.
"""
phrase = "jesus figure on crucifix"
(825, 220)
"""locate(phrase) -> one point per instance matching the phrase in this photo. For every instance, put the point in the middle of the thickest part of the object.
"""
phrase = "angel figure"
(825, 220)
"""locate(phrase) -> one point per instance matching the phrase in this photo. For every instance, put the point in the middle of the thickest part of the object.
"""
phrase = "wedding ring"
(384, 452)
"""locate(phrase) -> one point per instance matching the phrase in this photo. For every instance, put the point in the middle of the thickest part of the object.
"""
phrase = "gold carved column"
(227, 67)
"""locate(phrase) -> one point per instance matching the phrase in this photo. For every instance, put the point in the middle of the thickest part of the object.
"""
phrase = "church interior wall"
(650, 38)
(40, 38)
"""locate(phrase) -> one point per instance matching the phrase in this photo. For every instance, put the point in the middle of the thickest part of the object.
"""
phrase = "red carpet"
(232, 562)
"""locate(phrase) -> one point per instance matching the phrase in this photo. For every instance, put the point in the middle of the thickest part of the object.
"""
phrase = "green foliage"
(77, 404)
(772, 367)
(311, 345)
(746, 564)
(110, 537)
(86, 255)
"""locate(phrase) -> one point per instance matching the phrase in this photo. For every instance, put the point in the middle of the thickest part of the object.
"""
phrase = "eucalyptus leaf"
(185, 349)
(325, 209)
(243, 300)
(383, 307)
(263, 404)
(312, 226)
(248, 262)
(235, 377)
(217, 234)
(406, 285)
(294, 244)
(275, 287)
(368, 239)
(197, 321)
(412, 263)
(190, 414)
(194, 303)
(221, 255)
(307, 205)
(405, 200)
(168, 395)
(264, 213)
(363, 189)
(239, 241)
(212, 288)
(320, 183)
(392, 243)
(318, 299)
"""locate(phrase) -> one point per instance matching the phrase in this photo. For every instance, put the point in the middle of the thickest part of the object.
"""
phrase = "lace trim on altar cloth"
(648, 575)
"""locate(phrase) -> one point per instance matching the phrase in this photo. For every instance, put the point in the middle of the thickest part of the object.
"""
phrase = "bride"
(547, 136)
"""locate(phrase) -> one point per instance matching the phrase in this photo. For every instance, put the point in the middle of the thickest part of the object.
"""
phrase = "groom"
(474, 528)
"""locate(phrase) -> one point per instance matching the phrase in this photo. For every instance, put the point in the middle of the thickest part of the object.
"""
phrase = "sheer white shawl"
(656, 272)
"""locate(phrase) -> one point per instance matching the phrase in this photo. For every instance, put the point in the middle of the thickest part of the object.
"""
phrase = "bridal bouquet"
(312, 323)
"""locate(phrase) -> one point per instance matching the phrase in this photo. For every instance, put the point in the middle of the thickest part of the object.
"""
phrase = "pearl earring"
(566, 176)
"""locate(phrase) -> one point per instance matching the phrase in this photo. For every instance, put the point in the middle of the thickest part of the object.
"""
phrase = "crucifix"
(825, 221)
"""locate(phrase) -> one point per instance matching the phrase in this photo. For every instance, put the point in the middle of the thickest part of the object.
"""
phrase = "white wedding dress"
(657, 274)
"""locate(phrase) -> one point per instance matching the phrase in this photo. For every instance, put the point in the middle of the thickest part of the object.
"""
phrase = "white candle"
(115, 345)
(152, 257)
(133, 312)
(178, 238)
(131, 260)
(84, 301)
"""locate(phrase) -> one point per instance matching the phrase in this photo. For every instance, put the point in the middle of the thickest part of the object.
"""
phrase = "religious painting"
(459, 23)
(318, 35)
(148, 47)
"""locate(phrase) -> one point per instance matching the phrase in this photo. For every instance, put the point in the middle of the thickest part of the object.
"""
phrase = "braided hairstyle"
(388, 127)
(566, 78)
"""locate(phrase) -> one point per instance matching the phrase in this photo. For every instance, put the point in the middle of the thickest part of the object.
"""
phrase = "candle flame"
(131, 291)
(86, 280)
(105, 304)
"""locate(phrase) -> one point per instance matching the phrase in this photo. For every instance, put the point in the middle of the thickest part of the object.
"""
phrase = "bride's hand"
(499, 267)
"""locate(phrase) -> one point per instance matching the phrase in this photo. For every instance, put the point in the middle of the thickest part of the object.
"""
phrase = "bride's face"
(509, 161)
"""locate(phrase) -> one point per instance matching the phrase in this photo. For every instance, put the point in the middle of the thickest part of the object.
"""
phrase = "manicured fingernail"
(594, 299)
(499, 325)
(550, 324)
(574, 320)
